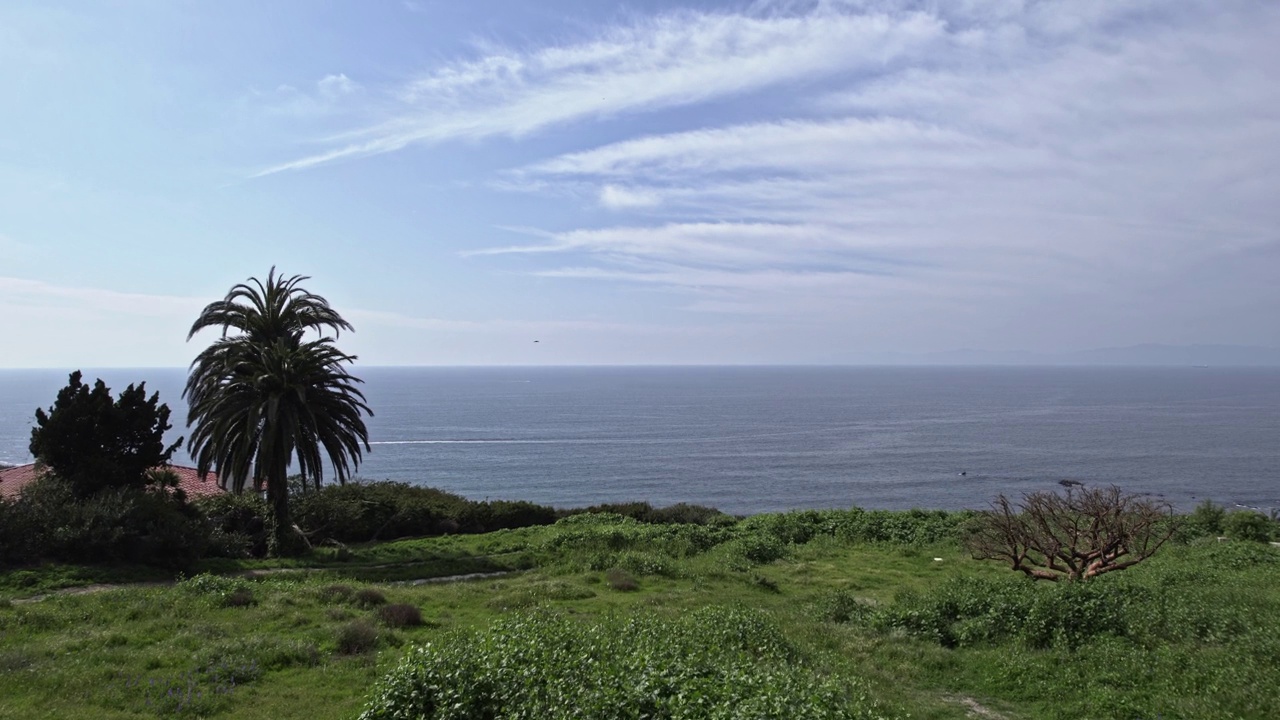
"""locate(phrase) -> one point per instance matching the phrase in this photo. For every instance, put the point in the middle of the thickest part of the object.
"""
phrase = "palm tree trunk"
(285, 539)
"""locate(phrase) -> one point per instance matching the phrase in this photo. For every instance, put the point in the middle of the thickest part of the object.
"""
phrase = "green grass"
(919, 628)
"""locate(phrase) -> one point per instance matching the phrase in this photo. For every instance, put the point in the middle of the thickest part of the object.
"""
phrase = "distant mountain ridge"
(1148, 355)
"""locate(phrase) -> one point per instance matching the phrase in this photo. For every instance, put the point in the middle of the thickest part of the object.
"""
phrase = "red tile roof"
(13, 479)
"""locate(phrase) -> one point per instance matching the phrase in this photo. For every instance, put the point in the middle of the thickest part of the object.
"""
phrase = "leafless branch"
(1085, 533)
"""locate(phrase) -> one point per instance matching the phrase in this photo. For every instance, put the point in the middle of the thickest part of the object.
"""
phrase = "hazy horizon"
(1138, 356)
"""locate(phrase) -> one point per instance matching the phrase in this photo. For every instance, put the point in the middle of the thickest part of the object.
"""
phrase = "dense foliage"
(362, 512)
(94, 442)
(124, 524)
(679, 513)
(715, 663)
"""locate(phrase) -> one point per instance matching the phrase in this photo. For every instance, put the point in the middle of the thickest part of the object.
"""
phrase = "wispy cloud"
(822, 158)
(330, 95)
(335, 86)
(95, 301)
(1054, 148)
(670, 60)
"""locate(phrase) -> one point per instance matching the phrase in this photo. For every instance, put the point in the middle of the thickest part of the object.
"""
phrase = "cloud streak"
(667, 61)
(819, 159)
(1057, 149)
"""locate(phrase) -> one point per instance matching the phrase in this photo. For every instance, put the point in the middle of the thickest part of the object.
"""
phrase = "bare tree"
(1087, 532)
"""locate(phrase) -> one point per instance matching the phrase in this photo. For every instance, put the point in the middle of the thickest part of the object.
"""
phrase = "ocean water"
(755, 439)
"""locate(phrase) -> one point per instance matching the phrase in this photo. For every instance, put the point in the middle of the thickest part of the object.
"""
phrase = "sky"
(579, 182)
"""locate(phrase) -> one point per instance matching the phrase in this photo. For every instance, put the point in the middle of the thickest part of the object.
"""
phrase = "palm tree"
(262, 394)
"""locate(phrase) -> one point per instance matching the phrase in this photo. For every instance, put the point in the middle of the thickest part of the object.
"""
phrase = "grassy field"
(912, 628)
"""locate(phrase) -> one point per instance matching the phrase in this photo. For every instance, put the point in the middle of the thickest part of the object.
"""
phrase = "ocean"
(758, 439)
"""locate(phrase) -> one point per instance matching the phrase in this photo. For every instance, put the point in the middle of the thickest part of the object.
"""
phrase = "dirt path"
(88, 590)
(252, 575)
(975, 709)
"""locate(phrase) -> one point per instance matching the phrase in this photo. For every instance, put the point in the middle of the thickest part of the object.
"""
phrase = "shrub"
(369, 597)
(1249, 525)
(678, 514)
(245, 659)
(600, 541)
(17, 535)
(766, 583)
(1079, 535)
(621, 580)
(759, 548)
(400, 615)
(219, 590)
(1207, 519)
(239, 524)
(842, 606)
(240, 597)
(912, 527)
(229, 545)
(357, 638)
(364, 512)
(645, 563)
(118, 524)
(333, 594)
(1169, 606)
(714, 663)
(509, 515)
(685, 514)
(791, 527)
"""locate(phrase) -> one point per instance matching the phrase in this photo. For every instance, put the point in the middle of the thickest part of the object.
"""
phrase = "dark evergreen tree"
(94, 442)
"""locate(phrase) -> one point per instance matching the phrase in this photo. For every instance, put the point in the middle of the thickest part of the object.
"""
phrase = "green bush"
(792, 528)
(599, 541)
(363, 512)
(123, 524)
(759, 548)
(678, 514)
(621, 580)
(238, 522)
(645, 563)
(369, 597)
(335, 594)
(842, 606)
(218, 590)
(507, 515)
(715, 663)
(1207, 519)
(1249, 525)
(244, 659)
(357, 638)
(399, 615)
(967, 612)
(913, 527)
(17, 535)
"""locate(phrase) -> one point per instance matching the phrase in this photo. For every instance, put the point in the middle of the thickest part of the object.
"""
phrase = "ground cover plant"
(888, 606)
(714, 663)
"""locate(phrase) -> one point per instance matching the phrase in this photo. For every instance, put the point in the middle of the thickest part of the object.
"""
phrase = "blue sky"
(654, 182)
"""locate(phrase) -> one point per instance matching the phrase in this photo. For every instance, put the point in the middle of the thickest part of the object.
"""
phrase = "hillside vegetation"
(821, 614)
